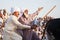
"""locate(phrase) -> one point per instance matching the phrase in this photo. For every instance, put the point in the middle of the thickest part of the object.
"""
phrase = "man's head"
(4, 11)
(1, 14)
(26, 11)
(16, 12)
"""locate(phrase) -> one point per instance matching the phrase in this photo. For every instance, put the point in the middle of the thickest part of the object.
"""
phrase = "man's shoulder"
(13, 17)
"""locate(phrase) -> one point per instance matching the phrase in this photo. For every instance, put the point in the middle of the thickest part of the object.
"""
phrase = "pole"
(49, 11)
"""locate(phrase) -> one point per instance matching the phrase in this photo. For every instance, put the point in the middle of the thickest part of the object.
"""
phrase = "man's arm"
(21, 26)
(34, 15)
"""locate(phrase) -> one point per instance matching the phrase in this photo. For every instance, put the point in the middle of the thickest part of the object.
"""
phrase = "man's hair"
(53, 26)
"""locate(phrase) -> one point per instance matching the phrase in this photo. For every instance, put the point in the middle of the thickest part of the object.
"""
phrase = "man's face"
(26, 11)
(16, 13)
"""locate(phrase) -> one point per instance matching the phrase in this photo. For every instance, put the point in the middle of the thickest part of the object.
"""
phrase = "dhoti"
(10, 35)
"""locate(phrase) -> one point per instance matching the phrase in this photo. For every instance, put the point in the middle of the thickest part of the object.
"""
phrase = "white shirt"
(5, 17)
(1, 21)
(12, 23)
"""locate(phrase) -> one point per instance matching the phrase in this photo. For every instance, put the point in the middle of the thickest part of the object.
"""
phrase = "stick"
(44, 17)
(49, 11)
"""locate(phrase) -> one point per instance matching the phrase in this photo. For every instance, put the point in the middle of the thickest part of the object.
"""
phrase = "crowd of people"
(23, 26)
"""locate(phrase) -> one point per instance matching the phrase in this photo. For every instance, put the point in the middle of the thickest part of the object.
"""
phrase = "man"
(1, 18)
(11, 25)
(27, 19)
(1, 22)
(5, 15)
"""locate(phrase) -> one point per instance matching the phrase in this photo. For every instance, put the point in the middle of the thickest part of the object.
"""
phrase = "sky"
(33, 5)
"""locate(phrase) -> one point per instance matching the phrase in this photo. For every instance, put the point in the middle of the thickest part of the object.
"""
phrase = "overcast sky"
(32, 6)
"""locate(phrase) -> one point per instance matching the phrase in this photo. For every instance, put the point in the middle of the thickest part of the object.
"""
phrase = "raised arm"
(34, 15)
(37, 12)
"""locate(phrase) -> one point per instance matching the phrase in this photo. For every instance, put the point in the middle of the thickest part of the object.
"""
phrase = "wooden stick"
(49, 11)
(44, 17)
